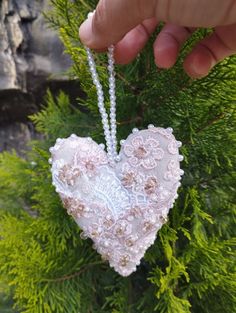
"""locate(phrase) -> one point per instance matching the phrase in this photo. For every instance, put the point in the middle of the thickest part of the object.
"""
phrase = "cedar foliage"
(191, 266)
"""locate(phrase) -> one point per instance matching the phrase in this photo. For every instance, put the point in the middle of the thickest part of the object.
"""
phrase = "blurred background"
(32, 60)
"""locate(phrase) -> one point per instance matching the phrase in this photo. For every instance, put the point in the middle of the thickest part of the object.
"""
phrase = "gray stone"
(32, 59)
(28, 45)
(16, 136)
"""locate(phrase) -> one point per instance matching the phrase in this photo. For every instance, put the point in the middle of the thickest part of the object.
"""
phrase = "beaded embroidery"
(120, 207)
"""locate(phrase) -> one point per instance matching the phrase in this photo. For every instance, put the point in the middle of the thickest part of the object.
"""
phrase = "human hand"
(128, 25)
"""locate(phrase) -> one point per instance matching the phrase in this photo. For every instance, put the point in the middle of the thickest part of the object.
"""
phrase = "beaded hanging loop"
(109, 127)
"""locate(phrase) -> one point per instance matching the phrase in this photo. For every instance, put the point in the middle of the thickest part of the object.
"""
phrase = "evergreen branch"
(137, 119)
(76, 274)
(209, 123)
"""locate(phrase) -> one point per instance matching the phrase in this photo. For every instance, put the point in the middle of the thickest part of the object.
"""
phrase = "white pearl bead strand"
(109, 128)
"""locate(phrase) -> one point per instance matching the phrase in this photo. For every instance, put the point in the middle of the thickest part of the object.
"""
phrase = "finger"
(128, 48)
(196, 13)
(210, 51)
(112, 20)
(168, 44)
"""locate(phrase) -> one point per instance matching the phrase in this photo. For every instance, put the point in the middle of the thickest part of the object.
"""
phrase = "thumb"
(112, 20)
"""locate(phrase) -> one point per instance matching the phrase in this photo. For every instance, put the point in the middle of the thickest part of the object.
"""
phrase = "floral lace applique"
(148, 226)
(122, 228)
(173, 171)
(93, 231)
(150, 185)
(173, 147)
(90, 157)
(76, 208)
(143, 152)
(167, 133)
(68, 174)
(108, 221)
(130, 241)
(131, 178)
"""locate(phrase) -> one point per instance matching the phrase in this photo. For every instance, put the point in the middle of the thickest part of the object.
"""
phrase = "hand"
(129, 23)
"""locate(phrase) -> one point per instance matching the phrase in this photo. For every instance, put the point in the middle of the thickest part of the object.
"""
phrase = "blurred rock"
(32, 60)
(28, 48)
(16, 136)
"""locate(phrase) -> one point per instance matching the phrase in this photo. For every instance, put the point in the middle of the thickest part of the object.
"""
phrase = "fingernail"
(201, 70)
(85, 30)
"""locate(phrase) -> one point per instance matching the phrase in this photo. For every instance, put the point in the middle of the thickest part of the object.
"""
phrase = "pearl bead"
(135, 130)
(118, 158)
(169, 130)
(181, 158)
(109, 131)
(179, 144)
(151, 126)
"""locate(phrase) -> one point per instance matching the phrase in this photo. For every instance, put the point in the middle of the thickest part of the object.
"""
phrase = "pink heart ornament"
(119, 206)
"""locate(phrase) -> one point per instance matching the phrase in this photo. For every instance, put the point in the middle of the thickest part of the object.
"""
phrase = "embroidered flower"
(90, 157)
(173, 171)
(124, 260)
(130, 241)
(130, 178)
(68, 174)
(75, 207)
(136, 211)
(108, 221)
(148, 226)
(122, 228)
(93, 231)
(173, 147)
(150, 185)
(143, 152)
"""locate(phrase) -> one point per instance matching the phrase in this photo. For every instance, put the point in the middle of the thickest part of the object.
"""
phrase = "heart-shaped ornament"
(119, 206)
